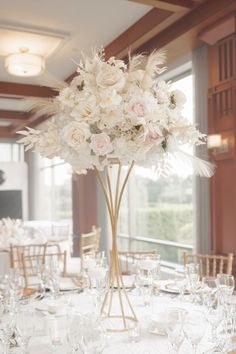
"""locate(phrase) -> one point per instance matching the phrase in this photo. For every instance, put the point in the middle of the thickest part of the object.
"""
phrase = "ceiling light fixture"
(24, 63)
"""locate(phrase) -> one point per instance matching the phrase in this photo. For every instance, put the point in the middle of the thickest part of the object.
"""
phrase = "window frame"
(173, 76)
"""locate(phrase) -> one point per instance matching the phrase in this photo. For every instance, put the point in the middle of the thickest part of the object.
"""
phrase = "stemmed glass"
(99, 282)
(93, 337)
(225, 284)
(181, 281)
(149, 273)
(7, 329)
(57, 331)
(194, 328)
(193, 277)
(25, 325)
(174, 327)
(214, 318)
(74, 331)
(209, 292)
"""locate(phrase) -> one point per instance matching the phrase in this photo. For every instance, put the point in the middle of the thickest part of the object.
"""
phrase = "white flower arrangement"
(113, 110)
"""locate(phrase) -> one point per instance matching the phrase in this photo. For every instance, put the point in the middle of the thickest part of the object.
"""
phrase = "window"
(157, 213)
(55, 192)
(11, 152)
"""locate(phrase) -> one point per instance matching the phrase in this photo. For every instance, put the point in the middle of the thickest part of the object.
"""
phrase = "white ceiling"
(82, 25)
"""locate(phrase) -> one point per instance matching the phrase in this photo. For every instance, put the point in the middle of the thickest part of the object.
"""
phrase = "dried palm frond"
(200, 167)
(41, 106)
(154, 61)
(137, 62)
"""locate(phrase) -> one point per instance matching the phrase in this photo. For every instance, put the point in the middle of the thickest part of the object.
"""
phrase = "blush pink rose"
(101, 144)
(138, 108)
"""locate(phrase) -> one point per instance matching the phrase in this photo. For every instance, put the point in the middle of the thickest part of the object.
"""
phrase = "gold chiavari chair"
(89, 243)
(127, 259)
(210, 265)
(16, 252)
(98, 233)
(32, 263)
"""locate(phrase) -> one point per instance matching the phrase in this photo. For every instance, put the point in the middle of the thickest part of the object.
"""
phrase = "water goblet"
(134, 331)
(93, 337)
(174, 327)
(192, 270)
(194, 328)
(225, 285)
(74, 331)
(181, 281)
(209, 291)
(25, 325)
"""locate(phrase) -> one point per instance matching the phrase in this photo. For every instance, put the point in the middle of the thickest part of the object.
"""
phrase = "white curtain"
(202, 185)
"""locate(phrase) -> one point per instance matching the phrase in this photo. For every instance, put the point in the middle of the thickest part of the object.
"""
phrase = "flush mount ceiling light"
(24, 63)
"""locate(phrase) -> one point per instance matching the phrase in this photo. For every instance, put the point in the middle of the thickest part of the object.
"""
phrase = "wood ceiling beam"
(13, 89)
(134, 34)
(32, 121)
(205, 11)
(6, 133)
(13, 115)
(171, 5)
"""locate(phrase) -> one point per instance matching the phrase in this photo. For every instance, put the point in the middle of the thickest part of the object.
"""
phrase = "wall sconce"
(218, 144)
(24, 63)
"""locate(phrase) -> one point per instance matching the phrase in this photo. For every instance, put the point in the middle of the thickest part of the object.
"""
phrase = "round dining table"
(152, 339)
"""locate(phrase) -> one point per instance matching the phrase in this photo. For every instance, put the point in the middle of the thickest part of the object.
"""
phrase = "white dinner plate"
(69, 284)
(56, 308)
(169, 287)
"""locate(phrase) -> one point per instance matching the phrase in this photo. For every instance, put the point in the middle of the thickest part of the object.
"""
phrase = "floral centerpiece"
(113, 112)
(11, 231)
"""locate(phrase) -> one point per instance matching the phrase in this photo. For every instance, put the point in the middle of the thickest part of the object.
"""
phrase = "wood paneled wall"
(222, 116)
(84, 202)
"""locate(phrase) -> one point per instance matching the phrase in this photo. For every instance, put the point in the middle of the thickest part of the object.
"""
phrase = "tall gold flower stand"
(116, 311)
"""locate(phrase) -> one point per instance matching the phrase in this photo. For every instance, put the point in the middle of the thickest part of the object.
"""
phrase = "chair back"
(32, 264)
(16, 252)
(127, 259)
(210, 265)
(89, 243)
(97, 230)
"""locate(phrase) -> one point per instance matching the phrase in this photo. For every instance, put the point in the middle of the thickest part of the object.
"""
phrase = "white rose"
(101, 144)
(86, 108)
(67, 97)
(162, 92)
(109, 98)
(110, 76)
(76, 133)
(178, 97)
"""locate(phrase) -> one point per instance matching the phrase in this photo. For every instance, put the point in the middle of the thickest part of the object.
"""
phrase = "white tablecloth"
(117, 343)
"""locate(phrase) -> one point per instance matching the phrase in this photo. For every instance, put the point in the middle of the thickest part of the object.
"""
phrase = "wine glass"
(181, 280)
(209, 292)
(74, 331)
(194, 328)
(214, 318)
(25, 325)
(99, 282)
(225, 284)
(57, 330)
(193, 277)
(174, 327)
(93, 337)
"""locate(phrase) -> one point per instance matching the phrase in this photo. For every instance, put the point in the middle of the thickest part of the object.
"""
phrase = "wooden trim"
(172, 5)
(192, 19)
(13, 115)
(134, 33)
(24, 90)
(32, 121)
(180, 3)
(5, 132)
